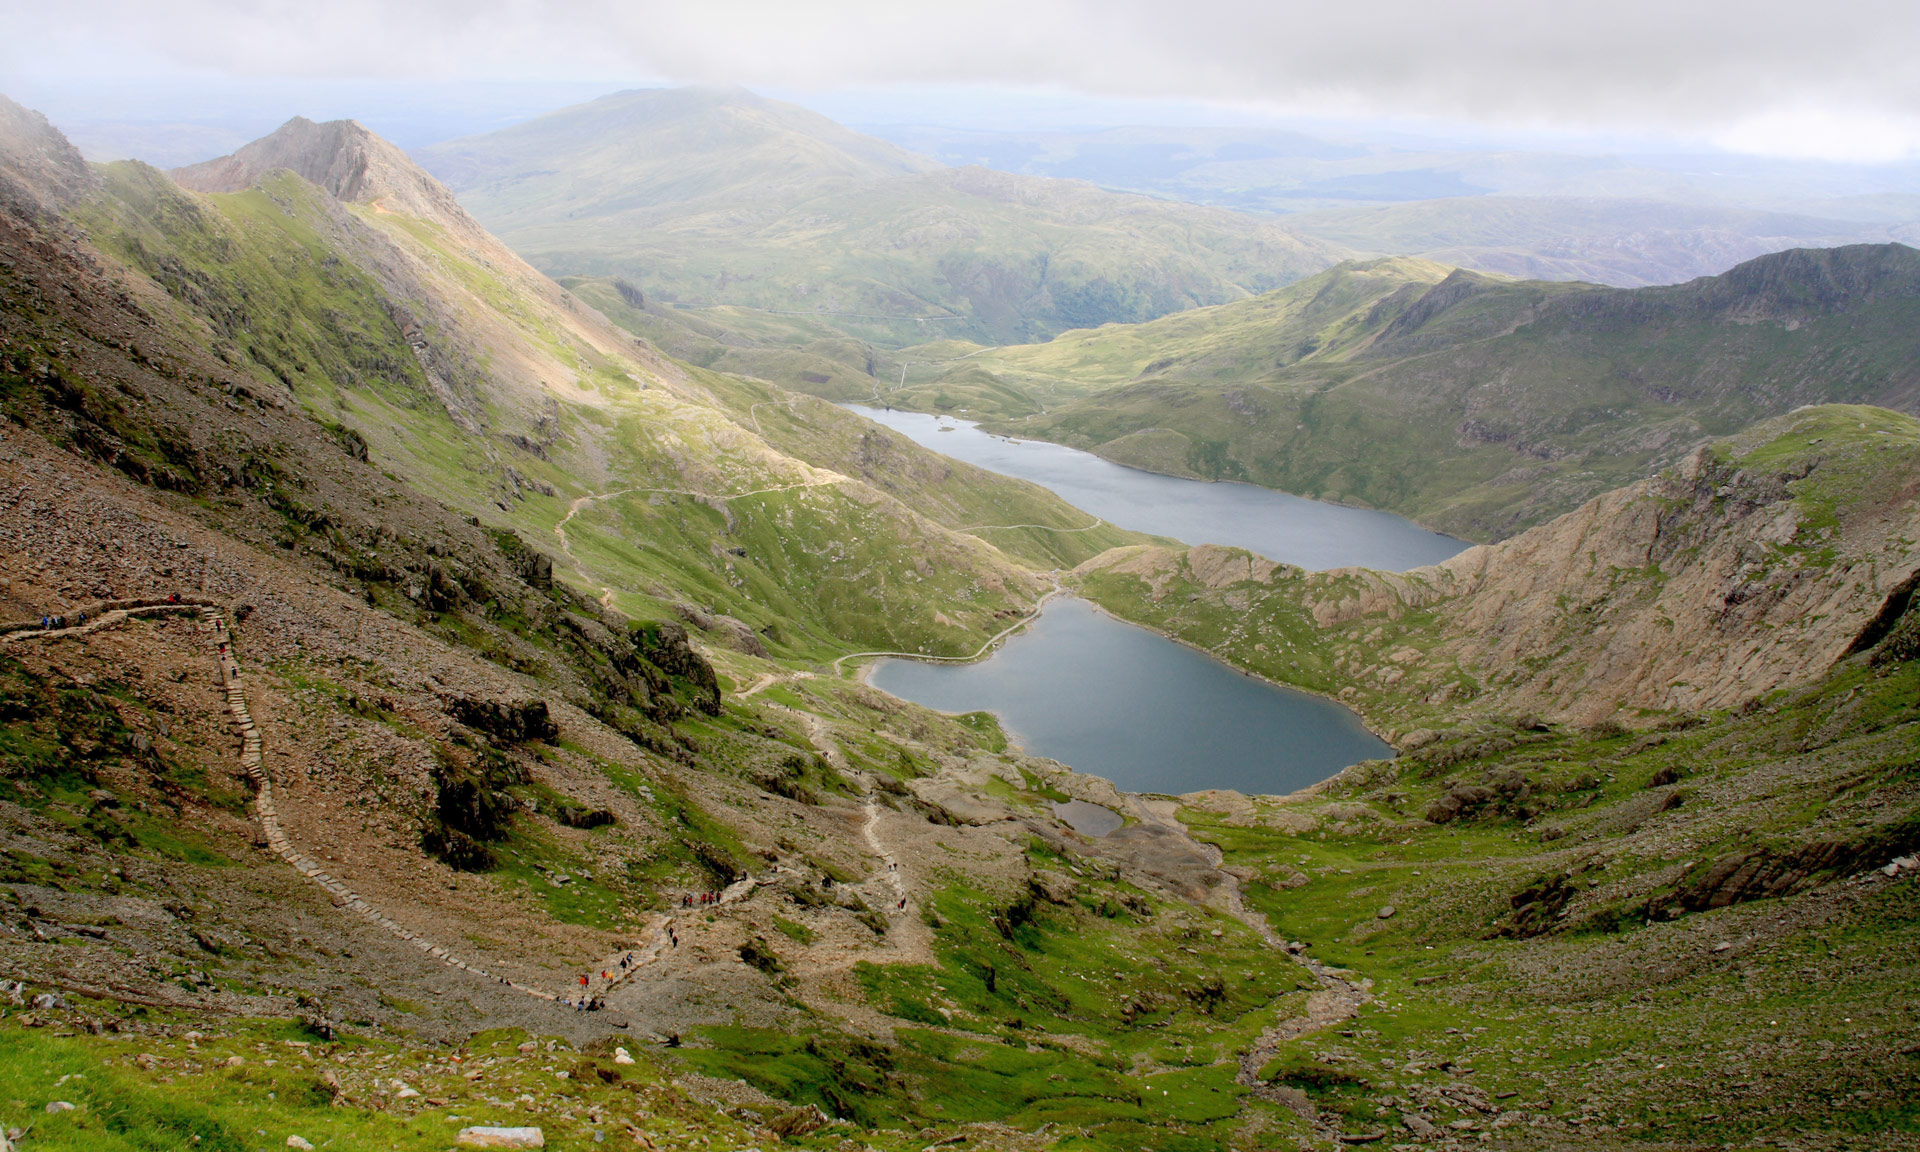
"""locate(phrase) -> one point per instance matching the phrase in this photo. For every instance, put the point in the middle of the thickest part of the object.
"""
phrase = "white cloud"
(1767, 75)
(1812, 133)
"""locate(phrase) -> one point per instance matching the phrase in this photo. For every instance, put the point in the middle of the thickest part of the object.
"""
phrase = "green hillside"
(1473, 404)
(713, 199)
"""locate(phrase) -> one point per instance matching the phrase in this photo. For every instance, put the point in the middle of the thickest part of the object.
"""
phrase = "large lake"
(1148, 714)
(1278, 526)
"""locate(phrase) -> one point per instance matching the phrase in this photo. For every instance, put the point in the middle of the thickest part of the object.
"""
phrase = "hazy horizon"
(1770, 78)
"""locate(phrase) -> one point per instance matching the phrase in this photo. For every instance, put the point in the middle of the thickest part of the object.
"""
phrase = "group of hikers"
(591, 1002)
(698, 899)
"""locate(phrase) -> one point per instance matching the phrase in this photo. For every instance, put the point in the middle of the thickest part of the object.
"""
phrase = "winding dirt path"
(1335, 1001)
(580, 502)
(1009, 630)
(1097, 523)
(109, 613)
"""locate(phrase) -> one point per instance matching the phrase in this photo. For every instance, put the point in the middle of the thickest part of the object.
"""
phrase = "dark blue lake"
(1151, 715)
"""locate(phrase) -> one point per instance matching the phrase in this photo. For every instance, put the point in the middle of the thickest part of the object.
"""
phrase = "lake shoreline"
(862, 674)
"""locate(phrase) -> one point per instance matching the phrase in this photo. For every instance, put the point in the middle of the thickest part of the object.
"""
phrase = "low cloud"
(1761, 75)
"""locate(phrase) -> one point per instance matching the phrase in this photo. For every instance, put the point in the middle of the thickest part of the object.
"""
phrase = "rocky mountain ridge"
(1476, 405)
(1751, 568)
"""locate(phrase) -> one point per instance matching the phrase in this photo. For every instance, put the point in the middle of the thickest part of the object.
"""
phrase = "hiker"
(903, 903)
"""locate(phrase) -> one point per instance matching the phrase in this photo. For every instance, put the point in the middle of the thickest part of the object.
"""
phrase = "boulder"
(1054, 887)
(1418, 738)
(501, 1138)
(1285, 877)
(1459, 800)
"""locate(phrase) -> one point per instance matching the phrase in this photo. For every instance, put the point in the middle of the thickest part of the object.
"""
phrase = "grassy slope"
(1537, 953)
(833, 564)
(1481, 410)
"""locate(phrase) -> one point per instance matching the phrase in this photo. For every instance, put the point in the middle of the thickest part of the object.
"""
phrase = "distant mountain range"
(719, 198)
(1624, 221)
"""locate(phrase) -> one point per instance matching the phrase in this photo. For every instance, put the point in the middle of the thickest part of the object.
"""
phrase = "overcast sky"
(1834, 78)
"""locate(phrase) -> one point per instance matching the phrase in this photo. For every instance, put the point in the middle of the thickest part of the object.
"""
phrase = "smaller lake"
(1306, 533)
(1113, 700)
(1088, 818)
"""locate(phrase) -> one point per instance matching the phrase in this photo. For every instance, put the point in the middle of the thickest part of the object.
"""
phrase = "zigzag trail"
(912, 939)
(107, 613)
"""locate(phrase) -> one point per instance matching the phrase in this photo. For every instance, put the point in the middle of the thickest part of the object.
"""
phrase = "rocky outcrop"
(1459, 800)
(343, 157)
(515, 723)
(1759, 873)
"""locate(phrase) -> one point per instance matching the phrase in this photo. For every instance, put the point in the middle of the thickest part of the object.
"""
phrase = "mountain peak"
(672, 146)
(350, 161)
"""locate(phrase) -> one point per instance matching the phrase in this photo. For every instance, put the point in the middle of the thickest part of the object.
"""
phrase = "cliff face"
(1753, 566)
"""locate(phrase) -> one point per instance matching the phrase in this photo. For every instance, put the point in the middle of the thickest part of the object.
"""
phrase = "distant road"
(803, 312)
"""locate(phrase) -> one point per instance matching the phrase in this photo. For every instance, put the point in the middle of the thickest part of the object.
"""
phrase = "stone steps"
(253, 760)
